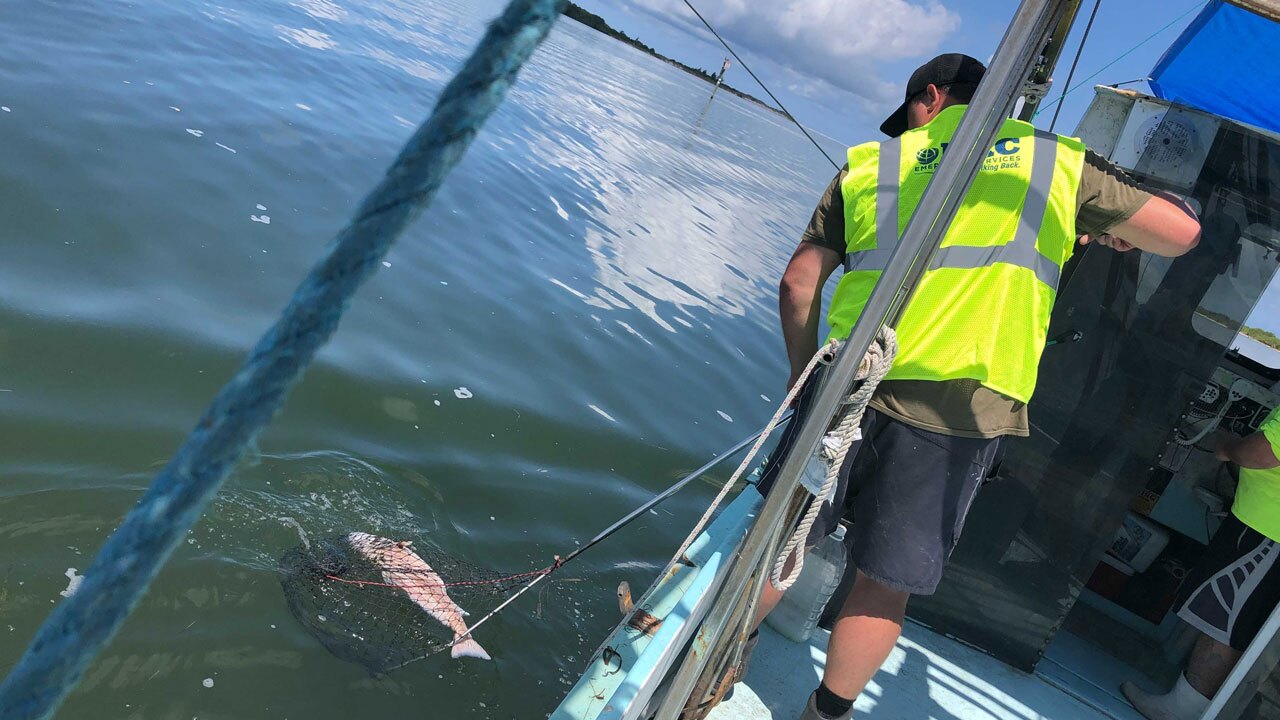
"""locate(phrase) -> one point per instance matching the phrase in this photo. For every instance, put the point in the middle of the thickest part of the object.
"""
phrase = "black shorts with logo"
(906, 492)
(1233, 590)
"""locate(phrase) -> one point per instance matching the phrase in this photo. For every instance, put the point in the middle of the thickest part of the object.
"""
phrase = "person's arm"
(1251, 451)
(1164, 225)
(800, 302)
(1117, 212)
(820, 252)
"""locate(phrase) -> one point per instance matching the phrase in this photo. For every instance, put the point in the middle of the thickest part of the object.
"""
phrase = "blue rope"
(78, 628)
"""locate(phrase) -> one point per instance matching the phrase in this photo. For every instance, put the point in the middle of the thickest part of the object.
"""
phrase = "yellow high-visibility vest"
(1258, 494)
(982, 309)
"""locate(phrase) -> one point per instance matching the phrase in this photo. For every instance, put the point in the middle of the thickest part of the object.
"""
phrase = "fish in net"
(384, 603)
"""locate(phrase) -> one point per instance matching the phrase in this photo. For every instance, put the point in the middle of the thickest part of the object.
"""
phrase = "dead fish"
(403, 568)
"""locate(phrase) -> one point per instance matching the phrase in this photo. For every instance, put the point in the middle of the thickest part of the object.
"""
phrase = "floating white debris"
(559, 210)
(462, 393)
(264, 219)
(635, 332)
(197, 133)
(724, 415)
(765, 397)
(5, 108)
(576, 294)
(207, 682)
(175, 108)
(74, 582)
(492, 517)
(442, 282)
(224, 147)
(386, 264)
(403, 121)
(437, 402)
(260, 206)
(603, 414)
(302, 106)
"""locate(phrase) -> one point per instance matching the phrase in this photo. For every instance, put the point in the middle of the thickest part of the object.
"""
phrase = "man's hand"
(1110, 241)
(791, 381)
(1222, 443)
(1251, 451)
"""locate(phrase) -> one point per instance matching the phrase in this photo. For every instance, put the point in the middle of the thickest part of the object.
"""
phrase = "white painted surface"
(927, 677)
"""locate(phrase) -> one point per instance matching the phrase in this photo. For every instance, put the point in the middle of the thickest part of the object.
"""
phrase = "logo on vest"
(928, 156)
(1004, 155)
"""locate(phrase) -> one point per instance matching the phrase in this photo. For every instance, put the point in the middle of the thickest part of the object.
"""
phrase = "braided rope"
(83, 623)
(874, 366)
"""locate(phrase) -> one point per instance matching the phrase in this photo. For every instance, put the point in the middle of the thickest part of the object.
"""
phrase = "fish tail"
(466, 647)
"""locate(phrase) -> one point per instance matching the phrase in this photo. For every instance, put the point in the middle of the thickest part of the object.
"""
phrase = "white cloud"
(837, 41)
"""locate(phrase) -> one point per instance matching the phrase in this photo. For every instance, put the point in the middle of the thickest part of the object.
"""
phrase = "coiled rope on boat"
(874, 366)
(835, 447)
(78, 628)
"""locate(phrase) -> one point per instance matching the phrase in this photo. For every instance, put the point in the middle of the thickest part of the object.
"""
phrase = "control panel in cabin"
(1188, 493)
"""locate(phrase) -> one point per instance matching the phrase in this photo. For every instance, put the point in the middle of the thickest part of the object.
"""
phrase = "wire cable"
(1122, 56)
(760, 82)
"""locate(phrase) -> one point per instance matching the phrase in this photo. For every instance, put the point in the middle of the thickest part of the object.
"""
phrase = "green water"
(586, 313)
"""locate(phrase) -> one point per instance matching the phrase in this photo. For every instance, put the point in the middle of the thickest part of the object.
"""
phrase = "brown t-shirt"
(1106, 198)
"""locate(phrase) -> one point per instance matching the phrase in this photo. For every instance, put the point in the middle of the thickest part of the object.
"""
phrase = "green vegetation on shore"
(595, 22)
(1266, 337)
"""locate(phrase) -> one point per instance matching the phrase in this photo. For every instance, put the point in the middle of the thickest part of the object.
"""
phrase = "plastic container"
(797, 614)
(1138, 542)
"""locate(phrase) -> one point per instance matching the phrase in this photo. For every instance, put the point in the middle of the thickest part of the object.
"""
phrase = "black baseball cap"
(949, 69)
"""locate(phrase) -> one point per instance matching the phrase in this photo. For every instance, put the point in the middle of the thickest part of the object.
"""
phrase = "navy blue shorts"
(905, 492)
(1236, 585)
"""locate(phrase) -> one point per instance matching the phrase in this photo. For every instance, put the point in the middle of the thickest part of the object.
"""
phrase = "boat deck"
(926, 676)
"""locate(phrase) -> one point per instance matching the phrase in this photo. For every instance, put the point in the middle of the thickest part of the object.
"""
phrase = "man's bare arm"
(1165, 225)
(1251, 451)
(800, 302)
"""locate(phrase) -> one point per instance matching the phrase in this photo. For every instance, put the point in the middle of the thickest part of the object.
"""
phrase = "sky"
(841, 66)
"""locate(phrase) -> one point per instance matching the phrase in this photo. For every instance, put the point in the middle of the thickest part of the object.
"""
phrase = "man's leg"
(910, 498)
(1245, 559)
(771, 596)
(863, 636)
(1211, 662)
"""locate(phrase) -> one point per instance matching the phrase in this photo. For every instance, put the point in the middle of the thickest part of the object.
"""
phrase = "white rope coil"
(835, 446)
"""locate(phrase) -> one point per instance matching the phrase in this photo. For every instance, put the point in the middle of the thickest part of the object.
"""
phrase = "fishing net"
(383, 603)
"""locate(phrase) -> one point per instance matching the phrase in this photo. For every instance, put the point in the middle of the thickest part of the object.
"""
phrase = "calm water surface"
(586, 313)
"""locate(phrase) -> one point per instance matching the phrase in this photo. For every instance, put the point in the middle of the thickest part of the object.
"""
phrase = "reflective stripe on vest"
(1021, 251)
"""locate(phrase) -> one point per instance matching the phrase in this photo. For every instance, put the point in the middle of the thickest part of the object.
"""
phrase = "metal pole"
(992, 103)
(1052, 51)
(752, 558)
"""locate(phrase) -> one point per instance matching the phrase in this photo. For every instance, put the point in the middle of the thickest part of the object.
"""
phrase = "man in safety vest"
(968, 344)
(1237, 584)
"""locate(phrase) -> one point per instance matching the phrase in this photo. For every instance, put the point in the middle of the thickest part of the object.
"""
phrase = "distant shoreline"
(597, 23)
(1259, 335)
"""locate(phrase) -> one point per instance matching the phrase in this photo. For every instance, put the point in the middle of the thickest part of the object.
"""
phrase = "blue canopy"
(1225, 63)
